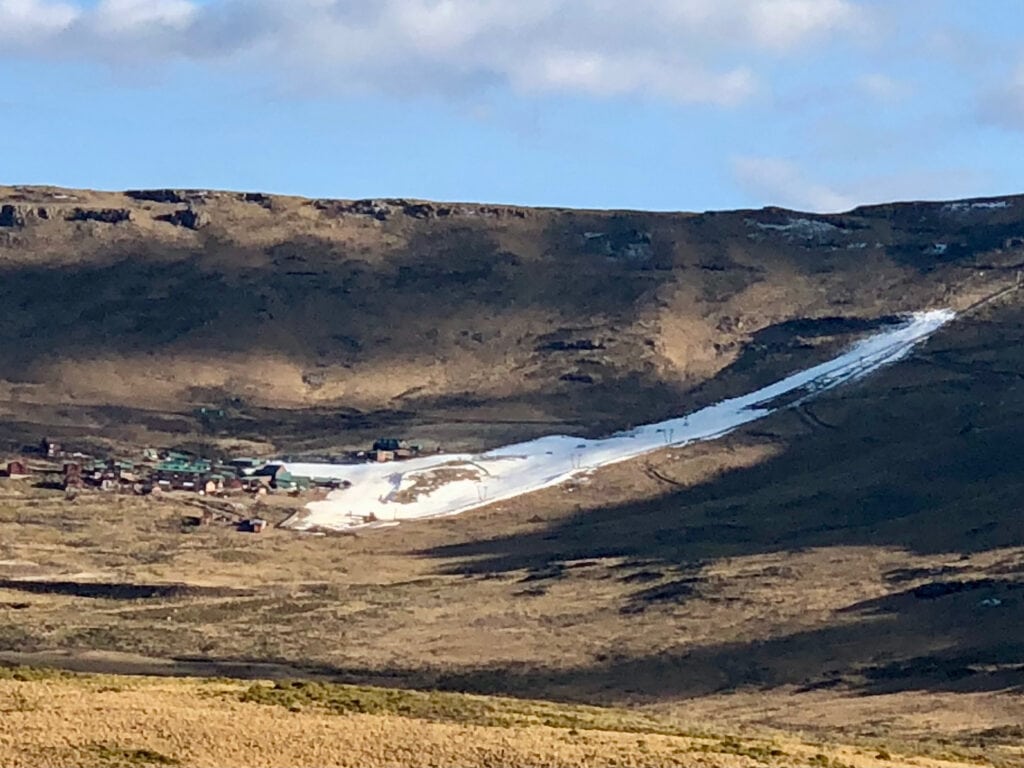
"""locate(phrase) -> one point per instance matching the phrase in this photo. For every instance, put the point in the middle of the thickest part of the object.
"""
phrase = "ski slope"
(447, 484)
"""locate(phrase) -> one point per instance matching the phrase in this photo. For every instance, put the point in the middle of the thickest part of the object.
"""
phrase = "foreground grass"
(440, 706)
(53, 718)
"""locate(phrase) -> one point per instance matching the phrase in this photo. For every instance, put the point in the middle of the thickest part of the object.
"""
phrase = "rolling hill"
(850, 571)
(124, 312)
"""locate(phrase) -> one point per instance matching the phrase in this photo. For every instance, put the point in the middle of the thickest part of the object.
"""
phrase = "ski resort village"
(394, 480)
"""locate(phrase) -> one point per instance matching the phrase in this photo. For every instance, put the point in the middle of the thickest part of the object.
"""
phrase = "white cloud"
(33, 19)
(1003, 105)
(783, 24)
(782, 182)
(130, 17)
(679, 50)
(882, 88)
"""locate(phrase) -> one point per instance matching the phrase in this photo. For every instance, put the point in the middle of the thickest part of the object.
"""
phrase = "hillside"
(842, 581)
(55, 719)
(316, 322)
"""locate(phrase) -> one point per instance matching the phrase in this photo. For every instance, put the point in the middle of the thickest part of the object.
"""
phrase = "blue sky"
(659, 104)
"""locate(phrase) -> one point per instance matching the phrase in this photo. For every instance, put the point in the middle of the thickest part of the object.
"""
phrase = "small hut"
(17, 469)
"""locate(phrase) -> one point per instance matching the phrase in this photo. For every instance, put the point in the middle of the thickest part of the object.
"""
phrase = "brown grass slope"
(117, 722)
(853, 571)
(468, 323)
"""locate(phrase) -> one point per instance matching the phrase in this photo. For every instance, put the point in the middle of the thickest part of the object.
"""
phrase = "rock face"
(188, 218)
(10, 216)
(382, 210)
(102, 215)
(16, 216)
(156, 195)
(627, 245)
(266, 201)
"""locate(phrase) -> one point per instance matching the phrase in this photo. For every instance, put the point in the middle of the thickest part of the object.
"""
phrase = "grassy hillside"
(117, 722)
(851, 570)
(470, 323)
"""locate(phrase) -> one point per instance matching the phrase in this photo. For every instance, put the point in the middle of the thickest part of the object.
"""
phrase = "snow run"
(447, 484)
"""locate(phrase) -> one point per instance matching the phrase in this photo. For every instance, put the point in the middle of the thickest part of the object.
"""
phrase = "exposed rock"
(157, 195)
(797, 228)
(578, 378)
(420, 210)
(102, 215)
(377, 209)
(493, 211)
(187, 217)
(11, 216)
(384, 209)
(627, 245)
(259, 198)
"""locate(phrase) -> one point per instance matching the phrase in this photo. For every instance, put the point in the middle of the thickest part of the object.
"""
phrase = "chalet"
(391, 448)
(276, 476)
(17, 469)
(182, 475)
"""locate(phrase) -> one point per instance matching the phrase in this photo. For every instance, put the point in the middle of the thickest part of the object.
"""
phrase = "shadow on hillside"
(306, 298)
(926, 458)
(917, 462)
(964, 641)
(116, 590)
(955, 637)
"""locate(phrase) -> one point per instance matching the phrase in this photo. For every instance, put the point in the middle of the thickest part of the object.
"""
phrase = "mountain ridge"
(165, 300)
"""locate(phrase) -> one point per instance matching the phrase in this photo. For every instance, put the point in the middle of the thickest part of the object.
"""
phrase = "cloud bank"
(682, 51)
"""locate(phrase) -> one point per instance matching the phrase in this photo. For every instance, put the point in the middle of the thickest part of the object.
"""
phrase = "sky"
(816, 105)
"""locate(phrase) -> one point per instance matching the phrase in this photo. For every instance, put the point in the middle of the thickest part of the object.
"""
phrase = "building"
(17, 469)
(50, 449)
(182, 475)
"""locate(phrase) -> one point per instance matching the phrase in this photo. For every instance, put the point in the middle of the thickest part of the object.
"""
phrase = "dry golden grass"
(109, 721)
(426, 482)
(732, 654)
(769, 581)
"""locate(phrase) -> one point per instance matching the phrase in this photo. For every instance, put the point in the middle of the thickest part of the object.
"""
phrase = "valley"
(841, 581)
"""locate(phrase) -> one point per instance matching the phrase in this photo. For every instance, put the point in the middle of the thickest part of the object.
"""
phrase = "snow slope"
(447, 484)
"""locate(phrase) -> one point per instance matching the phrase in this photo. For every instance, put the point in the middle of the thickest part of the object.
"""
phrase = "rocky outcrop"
(10, 216)
(102, 215)
(157, 195)
(385, 209)
(627, 245)
(259, 198)
(188, 218)
(16, 216)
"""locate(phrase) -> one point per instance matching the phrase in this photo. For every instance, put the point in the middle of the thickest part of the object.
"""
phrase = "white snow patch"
(978, 206)
(435, 486)
(856, 246)
(937, 249)
(807, 228)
